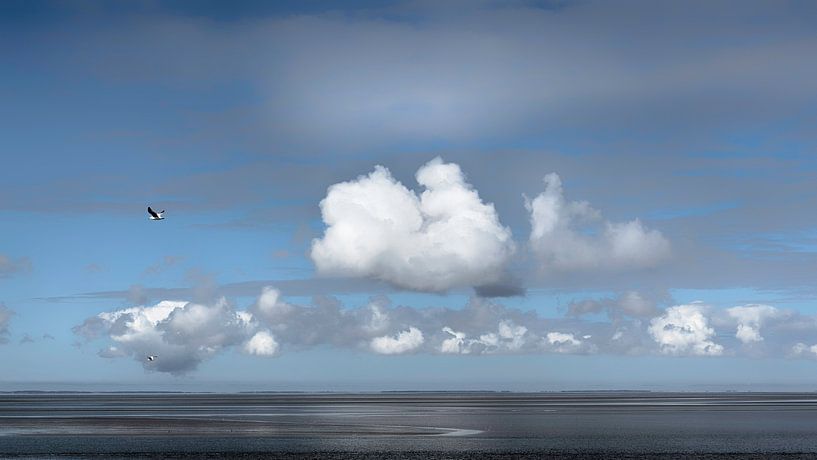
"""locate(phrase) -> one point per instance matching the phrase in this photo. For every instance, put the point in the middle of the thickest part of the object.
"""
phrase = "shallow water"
(409, 425)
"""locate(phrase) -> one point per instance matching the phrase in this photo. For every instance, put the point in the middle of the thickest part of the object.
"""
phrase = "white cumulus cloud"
(565, 342)
(571, 235)
(271, 306)
(684, 329)
(261, 344)
(750, 318)
(403, 342)
(182, 334)
(508, 337)
(455, 343)
(446, 237)
(561, 338)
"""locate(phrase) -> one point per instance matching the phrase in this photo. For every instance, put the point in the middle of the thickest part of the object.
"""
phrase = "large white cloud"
(684, 329)
(446, 237)
(750, 318)
(571, 235)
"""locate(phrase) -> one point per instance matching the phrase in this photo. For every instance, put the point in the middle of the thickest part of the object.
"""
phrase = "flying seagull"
(155, 215)
(152, 357)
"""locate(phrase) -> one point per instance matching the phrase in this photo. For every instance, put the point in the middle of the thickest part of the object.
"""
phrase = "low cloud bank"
(185, 334)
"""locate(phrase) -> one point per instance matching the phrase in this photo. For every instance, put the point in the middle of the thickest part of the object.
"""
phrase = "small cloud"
(48, 337)
(5, 319)
(750, 318)
(93, 268)
(26, 339)
(684, 329)
(572, 236)
(801, 349)
(562, 342)
(165, 263)
(271, 306)
(508, 288)
(508, 337)
(10, 267)
(261, 344)
(403, 342)
(629, 303)
(455, 343)
(112, 352)
(561, 338)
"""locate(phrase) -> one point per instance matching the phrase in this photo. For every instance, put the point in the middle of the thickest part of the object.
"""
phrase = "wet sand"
(410, 425)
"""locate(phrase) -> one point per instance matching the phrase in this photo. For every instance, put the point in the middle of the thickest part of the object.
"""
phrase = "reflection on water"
(439, 423)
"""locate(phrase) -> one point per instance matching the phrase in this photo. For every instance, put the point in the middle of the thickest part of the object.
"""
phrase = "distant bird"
(152, 357)
(155, 215)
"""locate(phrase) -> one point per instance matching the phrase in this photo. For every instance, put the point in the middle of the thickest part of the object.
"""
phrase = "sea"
(408, 425)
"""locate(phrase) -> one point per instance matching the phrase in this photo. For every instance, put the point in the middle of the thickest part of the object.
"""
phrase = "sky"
(517, 195)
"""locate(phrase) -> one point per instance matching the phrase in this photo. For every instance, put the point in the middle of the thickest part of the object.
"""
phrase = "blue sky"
(681, 136)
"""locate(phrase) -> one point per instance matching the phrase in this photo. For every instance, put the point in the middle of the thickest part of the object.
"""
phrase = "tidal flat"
(421, 425)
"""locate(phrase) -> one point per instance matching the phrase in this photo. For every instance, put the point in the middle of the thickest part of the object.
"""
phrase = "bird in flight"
(152, 357)
(155, 215)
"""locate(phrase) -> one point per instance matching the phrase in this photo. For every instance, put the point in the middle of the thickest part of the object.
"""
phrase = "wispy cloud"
(94, 268)
(10, 267)
(5, 318)
(165, 263)
(571, 235)
(629, 303)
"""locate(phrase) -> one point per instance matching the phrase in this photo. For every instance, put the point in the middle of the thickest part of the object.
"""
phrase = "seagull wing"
(152, 212)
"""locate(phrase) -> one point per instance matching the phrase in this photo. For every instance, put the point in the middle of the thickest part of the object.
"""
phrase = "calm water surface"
(410, 425)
